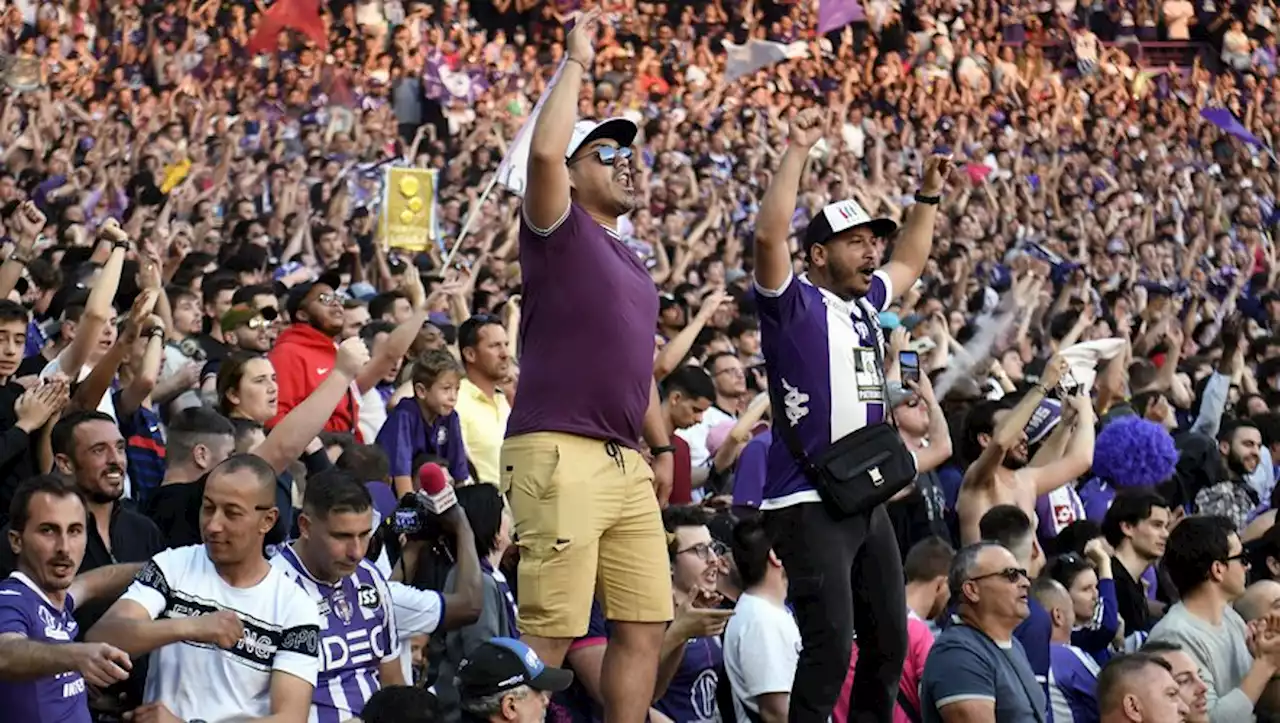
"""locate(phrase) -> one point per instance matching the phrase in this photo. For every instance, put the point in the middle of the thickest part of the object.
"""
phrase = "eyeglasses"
(706, 550)
(1010, 574)
(607, 155)
(1239, 557)
(328, 299)
(258, 323)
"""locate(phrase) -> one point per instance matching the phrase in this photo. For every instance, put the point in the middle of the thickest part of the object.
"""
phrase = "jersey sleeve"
(783, 304)
(299, 651)
(150, 587)
(880, 295)
(416, 611)
(14, 615)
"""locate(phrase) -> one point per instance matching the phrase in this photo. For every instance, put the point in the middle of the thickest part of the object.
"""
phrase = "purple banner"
(441, 82)
(835, 14)
(1224, 119)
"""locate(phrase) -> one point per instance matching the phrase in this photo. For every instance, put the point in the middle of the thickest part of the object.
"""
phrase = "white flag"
(515, 165)
(746, 59)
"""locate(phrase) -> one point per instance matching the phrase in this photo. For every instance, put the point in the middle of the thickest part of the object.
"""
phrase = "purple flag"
(439, 81)
(1223, 118)
(835, 14)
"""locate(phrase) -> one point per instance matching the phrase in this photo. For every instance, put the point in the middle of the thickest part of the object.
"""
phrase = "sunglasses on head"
(607, 155)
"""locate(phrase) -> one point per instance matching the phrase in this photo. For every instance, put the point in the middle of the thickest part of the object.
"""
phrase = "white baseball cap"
(842, 216)
(622, 130)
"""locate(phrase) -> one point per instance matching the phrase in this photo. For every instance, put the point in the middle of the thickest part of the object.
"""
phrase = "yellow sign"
(409, 208)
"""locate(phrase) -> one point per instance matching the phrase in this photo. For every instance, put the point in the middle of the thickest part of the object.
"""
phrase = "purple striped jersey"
(61, 698)
(357, 635)
(820, 352)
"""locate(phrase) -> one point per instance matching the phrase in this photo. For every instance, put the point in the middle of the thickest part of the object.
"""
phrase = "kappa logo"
(795, 403)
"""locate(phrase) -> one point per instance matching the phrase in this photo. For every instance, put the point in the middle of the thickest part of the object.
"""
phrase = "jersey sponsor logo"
(352, 648)
(868, 375)
(795, 403)
(368, 596)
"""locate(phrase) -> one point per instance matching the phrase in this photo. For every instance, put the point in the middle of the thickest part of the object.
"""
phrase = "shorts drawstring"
(612, 449)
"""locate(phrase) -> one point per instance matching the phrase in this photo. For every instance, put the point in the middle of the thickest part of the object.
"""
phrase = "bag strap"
(913, 715)
(873, 319)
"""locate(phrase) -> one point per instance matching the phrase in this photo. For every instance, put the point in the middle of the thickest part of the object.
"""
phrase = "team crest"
(442, 436)
(341, 607)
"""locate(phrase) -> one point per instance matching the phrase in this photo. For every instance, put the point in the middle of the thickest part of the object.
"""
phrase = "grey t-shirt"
(966, 664)
(1222, 656)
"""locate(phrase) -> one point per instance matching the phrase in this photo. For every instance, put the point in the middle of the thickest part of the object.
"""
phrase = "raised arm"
(773, 225)
(290, 437)
(1078, 457)
(1009, 432)
(97, 310)
(911, 250)
(401, 338)
(464, 605)
(546, 196)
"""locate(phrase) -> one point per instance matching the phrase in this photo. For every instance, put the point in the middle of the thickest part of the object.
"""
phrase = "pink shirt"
(919, 641)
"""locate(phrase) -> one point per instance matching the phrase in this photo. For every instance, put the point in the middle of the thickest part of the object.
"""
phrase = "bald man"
(257, 631)
(1259, 599)
(1139, 688)
(1074, 674)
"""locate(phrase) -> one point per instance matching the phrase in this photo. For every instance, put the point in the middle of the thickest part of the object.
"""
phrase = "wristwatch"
(655, 451)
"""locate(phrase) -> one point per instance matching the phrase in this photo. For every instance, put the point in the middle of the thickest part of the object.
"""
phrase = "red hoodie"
(303, 357)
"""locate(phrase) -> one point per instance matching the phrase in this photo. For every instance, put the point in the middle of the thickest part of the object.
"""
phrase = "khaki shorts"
(588, 524)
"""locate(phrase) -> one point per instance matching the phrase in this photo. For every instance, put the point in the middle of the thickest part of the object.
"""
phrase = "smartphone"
(909, 361)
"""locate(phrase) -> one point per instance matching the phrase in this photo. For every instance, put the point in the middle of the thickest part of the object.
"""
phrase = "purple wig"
(1132, 452)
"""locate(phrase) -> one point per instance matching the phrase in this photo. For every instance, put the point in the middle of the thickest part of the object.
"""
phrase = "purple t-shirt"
(691, 696)
(824, 378)
(748, 480)
(586, 333)
(60, 698)
(405, 435)
(1073, 685)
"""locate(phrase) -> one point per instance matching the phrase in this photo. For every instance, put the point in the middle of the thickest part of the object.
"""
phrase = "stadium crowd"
(255, 464)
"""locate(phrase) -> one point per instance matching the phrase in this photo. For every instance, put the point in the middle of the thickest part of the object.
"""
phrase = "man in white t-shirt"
(730, 378)
(762, 641)
(231, 636)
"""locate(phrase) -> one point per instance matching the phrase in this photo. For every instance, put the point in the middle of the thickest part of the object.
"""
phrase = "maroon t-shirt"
(586, 333)
(682, 472)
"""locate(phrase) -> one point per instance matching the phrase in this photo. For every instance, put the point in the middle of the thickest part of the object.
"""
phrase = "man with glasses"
(1209, 568)
(306, 352)
(977, 670)
(692, 654)
(730, 379)
(582, 492)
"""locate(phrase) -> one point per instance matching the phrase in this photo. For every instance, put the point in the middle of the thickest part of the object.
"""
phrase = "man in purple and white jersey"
(822, 346)
(42, 672)
(360, 643)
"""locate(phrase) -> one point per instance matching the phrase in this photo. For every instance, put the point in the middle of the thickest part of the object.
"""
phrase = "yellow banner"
(409, 208)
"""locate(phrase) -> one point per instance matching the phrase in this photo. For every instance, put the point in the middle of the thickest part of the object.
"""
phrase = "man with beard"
(996, 440)
(1240, 445)
(306, 352)
(824, 351)
(574, 435)
(1183, 667)
(482, 407)
(42, 671)
(1137, 528)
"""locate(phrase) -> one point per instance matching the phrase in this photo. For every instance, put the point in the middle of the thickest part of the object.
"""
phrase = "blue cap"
(501, 664)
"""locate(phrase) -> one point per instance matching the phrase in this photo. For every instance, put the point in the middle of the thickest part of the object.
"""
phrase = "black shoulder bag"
(865, 468)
